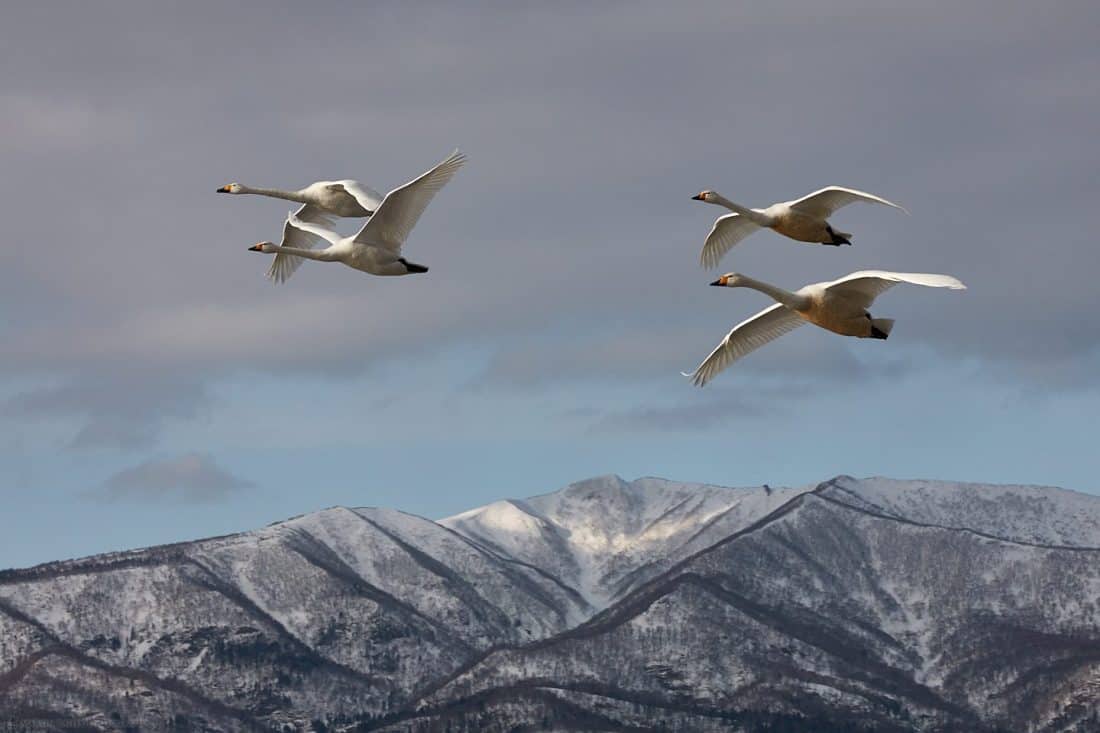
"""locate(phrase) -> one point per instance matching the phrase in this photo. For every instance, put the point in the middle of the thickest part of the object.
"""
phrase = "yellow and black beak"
(256, 248)
(698, 197)
(721, 282)
(223, 189)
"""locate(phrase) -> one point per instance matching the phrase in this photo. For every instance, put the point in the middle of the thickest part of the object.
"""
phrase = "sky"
(155, 387)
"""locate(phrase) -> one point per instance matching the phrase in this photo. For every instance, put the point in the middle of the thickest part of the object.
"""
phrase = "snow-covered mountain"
(603, 536)
(612, 605)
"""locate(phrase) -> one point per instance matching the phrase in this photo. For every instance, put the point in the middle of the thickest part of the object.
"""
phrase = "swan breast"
(801, 227)
(839, 314)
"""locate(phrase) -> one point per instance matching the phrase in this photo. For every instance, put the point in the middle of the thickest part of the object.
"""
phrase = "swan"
(376, 247)
(803, 219)
(284, 264)
(340, 198)
(839, 306)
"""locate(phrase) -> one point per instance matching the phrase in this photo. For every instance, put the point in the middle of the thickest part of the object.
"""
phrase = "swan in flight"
(376, 247)
(338, 198)
(839, 306)
(284, 264)
(803, 219)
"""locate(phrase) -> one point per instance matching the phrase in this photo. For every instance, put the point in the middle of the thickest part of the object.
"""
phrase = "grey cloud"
(40, 124)
(660, 354)
(115, 410)
(189, 478)
(588, 128)
(717, 406)
(693, 416)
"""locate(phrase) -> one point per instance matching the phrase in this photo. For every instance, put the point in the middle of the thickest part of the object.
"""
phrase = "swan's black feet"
(412, 267)
(836, 239)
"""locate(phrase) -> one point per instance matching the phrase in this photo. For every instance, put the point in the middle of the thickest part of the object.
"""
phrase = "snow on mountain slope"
(604, 535)
(1036, 514)
(332, 613)
(828, 606)
(904, 605)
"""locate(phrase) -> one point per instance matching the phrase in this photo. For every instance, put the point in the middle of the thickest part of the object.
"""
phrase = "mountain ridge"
(628, 604)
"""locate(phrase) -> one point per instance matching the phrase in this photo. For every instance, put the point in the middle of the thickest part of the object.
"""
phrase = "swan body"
(346, 198)
(804, 219)
(839, 306)
(376, 247)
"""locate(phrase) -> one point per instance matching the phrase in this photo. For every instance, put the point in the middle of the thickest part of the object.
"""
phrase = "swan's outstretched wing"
(826, 201)
(399, 211)
(296, 222)
(765, 326)
(367, 197)
(866, 285)
(284, 265)
(727, 231)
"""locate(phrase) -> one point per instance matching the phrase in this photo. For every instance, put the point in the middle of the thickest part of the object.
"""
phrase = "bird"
(376, 247)
(839, 306)
(284, 264)
(345, 198)
(321, 201)
(803, 219)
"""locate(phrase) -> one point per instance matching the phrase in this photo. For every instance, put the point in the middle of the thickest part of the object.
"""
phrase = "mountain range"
(872, 604)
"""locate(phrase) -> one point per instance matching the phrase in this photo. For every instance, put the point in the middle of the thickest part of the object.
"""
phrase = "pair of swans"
(839, 306)
(376, 247)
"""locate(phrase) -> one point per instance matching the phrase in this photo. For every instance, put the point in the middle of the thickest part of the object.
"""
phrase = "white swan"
(376, 247)
(839, 306)
(803, 219)
(339, 198)
(284, 265)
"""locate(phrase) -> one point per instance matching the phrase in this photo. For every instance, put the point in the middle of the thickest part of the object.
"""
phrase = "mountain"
(608, 605)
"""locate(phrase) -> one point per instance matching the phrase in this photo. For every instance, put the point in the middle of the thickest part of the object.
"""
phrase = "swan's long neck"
(756, 217)
(322, 255)
(793, 301)
(276, 193)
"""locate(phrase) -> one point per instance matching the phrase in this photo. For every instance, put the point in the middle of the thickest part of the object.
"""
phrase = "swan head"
(708, 196)
(265, 247)
(729, 280)
(231, 188)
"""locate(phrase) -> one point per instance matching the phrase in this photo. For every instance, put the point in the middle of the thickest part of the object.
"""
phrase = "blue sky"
(155, 387)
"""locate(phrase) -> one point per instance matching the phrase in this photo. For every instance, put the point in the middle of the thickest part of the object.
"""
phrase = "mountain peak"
(680, 598)
(599, 533)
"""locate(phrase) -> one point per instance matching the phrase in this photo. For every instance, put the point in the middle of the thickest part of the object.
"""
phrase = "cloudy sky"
(155, 387)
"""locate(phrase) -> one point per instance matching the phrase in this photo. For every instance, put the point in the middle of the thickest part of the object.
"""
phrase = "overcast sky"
(154, 386)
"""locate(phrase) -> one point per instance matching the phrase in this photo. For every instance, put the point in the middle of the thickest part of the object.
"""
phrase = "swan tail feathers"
(881, 327)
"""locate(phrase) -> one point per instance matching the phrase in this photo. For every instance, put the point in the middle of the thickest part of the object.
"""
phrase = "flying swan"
(803, 219)
(339, 198)
(839, 306)
(376, 248)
